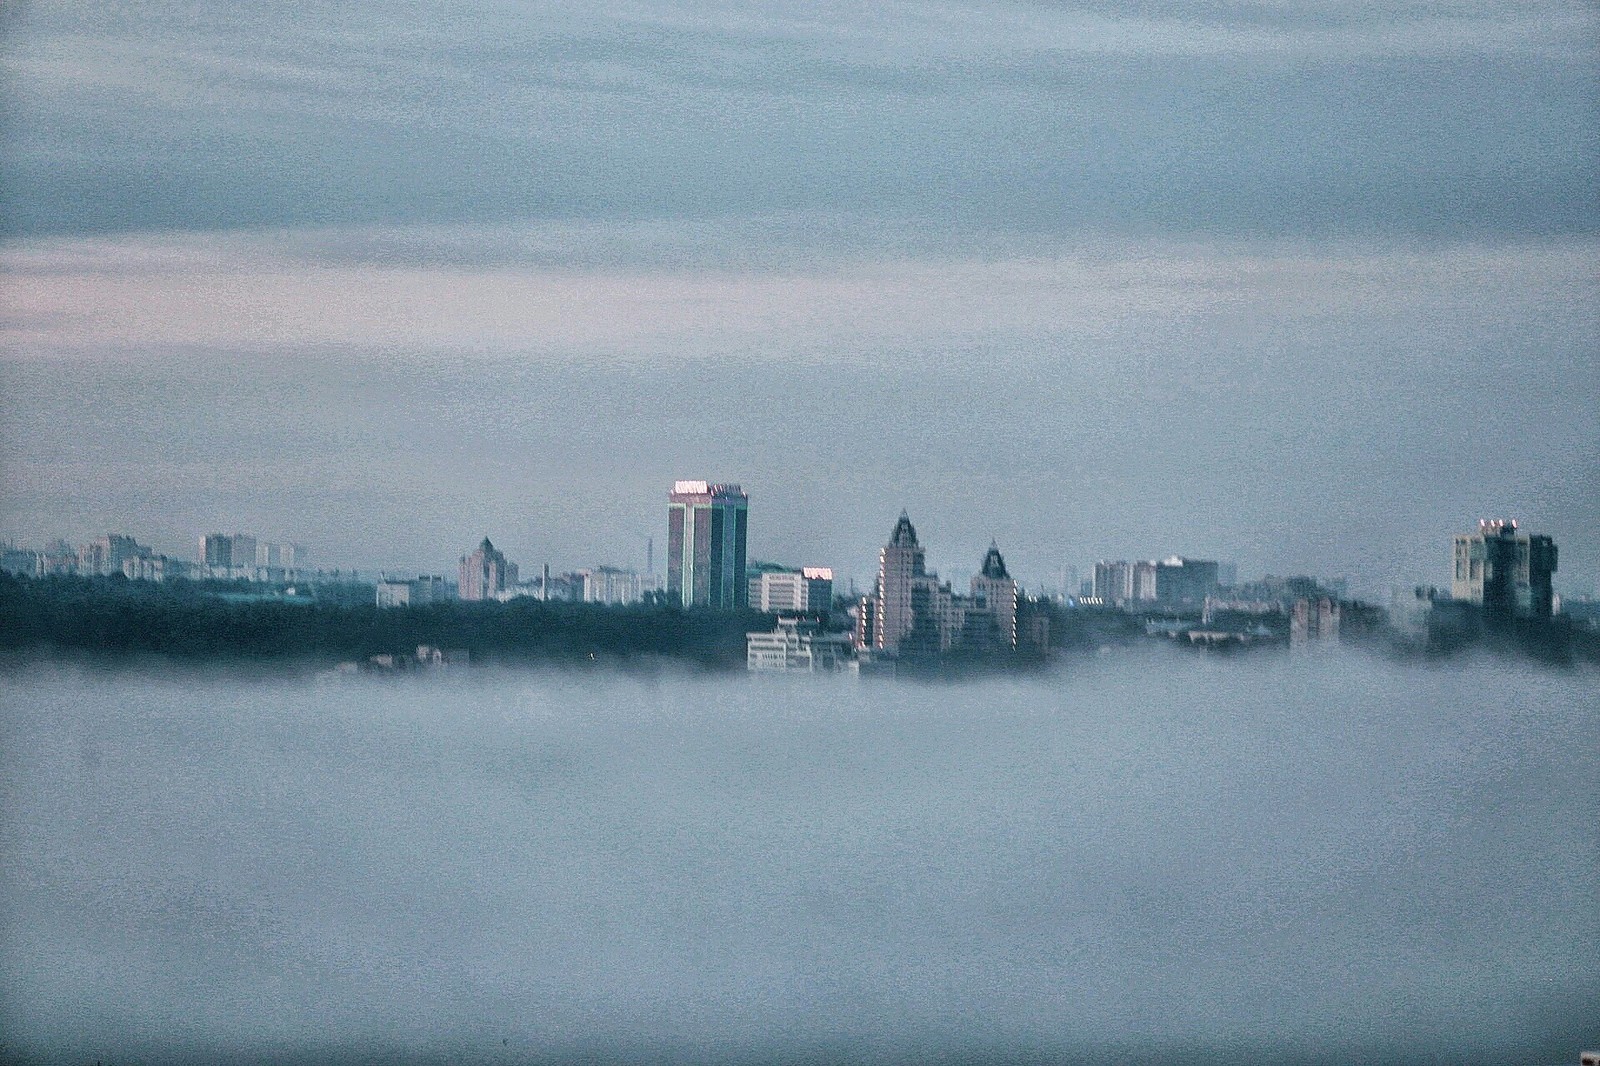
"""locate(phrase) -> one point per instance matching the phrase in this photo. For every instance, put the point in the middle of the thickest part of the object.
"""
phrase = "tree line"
(193, 620)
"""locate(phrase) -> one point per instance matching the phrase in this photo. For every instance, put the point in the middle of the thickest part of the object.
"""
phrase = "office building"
(1505, 571)
(1113, 581)
(485, 574)
(808, 590)
(614, 587)
(106, 554)
(1181, 582)
(412, 592)
(706, 531)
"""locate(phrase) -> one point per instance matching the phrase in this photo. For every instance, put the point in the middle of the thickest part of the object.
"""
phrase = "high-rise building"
(1181, 581)
(1144, 580)
(901, 563)
(275, 555)
(994, 595)
(216, 551)
(912, 614)
(224, 555)
(1314, 621)
(1113, 581)
(706, 528)
(1506, 571)
(485, 573)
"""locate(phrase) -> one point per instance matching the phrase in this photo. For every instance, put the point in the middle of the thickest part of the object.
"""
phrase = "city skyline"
(378, 347)
(1169, 581)
(1132, 578)
(395, 290)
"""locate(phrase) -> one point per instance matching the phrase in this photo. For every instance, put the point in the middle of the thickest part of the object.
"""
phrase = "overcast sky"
(1305, 286)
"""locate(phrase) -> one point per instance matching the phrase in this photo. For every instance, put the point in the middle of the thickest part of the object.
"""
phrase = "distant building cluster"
(1501, 582)
(240, 556)
(911, 613)
(225, 557)
(1505, 571)
(1501, 578)
(1172, 582)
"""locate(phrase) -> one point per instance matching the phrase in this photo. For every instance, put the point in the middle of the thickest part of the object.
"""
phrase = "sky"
(1305, 287)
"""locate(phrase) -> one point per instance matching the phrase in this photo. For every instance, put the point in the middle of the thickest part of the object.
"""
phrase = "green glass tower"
(706, 526)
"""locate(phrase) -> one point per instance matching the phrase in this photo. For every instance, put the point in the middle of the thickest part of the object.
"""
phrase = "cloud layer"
(1119, 278)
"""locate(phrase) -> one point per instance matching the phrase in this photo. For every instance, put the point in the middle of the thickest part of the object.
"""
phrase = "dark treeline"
(183, 620)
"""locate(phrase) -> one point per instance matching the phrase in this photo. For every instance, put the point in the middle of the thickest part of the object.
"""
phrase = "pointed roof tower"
(905, 534)
(994, 565)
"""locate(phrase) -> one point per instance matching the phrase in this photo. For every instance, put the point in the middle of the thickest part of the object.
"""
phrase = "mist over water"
(1328, 858)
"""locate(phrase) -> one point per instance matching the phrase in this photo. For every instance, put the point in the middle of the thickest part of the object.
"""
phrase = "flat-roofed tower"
(1506, 570)
(706, 527)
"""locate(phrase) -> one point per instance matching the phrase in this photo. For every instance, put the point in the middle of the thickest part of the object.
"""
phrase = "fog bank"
(1283, 859)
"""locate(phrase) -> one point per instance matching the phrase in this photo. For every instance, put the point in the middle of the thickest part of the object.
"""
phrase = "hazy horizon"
(1309, 290)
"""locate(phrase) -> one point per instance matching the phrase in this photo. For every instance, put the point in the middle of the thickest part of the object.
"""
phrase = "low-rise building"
(797, 646)
(1314, 621)
(22, 561)
(156, 568)
(613, 586)
(412, 592)
(806, 590)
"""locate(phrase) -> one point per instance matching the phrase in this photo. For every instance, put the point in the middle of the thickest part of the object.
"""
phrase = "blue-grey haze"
(1278, 859)
(1308, 287)
(1473, 118)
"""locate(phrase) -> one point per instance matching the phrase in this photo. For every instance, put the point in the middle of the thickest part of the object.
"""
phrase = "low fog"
(1148, 857)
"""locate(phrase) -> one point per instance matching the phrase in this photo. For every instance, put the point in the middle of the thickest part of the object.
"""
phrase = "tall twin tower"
(911, 613)
(706, 527)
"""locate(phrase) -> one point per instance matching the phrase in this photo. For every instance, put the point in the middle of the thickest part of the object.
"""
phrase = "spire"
(905, 534)
(994, 566)
(486, 547)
